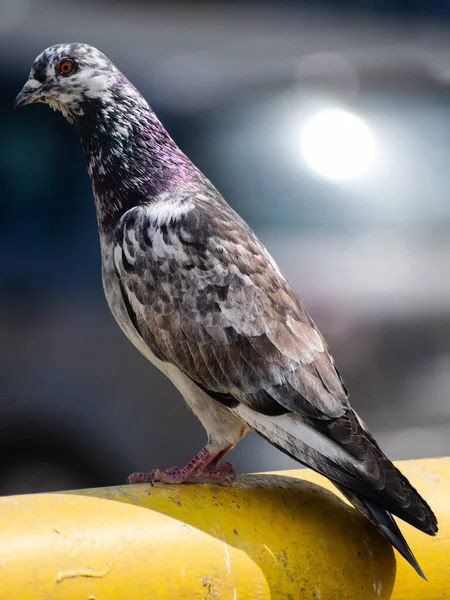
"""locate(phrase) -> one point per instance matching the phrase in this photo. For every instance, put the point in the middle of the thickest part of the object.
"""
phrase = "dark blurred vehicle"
(362, 230)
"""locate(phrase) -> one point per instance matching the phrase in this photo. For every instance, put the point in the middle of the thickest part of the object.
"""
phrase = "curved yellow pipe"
(271, 536)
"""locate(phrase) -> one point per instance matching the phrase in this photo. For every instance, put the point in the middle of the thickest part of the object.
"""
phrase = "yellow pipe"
(271, 536)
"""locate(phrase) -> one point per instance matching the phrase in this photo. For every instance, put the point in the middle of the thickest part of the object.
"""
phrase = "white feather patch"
(282, 429)
(168, 209)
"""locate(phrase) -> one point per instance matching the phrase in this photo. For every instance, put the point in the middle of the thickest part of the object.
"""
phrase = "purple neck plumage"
(131, 157)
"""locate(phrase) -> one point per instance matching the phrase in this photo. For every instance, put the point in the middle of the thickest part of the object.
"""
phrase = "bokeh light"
(338, 145)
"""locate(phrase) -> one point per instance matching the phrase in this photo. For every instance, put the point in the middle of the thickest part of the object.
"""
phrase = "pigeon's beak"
(31, 92)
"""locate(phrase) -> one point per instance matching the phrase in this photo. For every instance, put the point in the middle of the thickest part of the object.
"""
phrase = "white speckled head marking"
(92, 78)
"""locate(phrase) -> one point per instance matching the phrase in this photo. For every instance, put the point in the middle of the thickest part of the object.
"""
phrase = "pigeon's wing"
(204, 294)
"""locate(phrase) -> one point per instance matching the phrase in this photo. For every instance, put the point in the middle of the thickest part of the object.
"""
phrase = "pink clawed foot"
(176, 476)
(201, 469)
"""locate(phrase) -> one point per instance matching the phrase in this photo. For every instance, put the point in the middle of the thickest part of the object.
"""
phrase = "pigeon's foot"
(203, 468)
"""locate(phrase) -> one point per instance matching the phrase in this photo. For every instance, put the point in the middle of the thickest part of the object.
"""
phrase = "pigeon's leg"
(227, 467)
(202, 468)
(224, 429)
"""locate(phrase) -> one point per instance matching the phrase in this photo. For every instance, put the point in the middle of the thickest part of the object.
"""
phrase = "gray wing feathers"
(223, 314)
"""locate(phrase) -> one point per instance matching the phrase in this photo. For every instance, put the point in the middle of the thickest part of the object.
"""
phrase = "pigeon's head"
(70, 78)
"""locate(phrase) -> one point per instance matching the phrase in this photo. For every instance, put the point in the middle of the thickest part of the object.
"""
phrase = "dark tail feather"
(384, 522)
(374, 503)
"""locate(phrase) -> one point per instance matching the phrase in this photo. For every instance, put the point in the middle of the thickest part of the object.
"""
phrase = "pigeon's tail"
(351, 458)
(384, 522)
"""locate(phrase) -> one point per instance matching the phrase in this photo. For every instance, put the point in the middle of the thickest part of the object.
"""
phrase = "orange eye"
(66, 67)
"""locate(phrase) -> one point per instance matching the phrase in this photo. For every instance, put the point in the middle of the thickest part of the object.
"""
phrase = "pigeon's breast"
(115, 298)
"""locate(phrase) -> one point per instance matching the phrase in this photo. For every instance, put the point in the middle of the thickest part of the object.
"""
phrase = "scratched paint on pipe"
(284, 539)
(269, 537)
(82, 546)
(272, 536)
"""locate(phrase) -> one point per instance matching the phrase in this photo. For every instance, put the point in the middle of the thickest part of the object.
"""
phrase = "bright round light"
(338, 145)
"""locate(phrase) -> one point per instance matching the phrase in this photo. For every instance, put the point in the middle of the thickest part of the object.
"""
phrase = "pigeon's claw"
(175, 476)
(139, 478)
(203, 468)
(223, 474)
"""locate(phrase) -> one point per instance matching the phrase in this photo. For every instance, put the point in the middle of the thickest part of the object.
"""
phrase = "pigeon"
(198, 294)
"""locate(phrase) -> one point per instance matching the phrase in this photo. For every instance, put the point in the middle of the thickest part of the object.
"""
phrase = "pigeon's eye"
(66, 67)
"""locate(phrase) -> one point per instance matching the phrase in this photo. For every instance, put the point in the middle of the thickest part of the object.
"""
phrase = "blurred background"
(326, 125)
